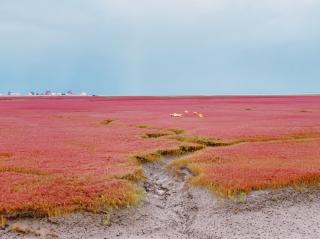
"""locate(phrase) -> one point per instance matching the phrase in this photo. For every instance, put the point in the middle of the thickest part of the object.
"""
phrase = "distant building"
(14, 93)
(45, 93)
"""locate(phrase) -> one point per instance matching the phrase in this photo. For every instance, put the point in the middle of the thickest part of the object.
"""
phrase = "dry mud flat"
(172, 209)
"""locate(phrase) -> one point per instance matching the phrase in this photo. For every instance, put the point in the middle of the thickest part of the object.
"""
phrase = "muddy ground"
(172, 209)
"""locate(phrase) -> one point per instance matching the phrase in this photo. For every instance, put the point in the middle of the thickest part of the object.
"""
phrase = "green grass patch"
(175, 152)
(177, 131)
(199, 140)
(154, 135)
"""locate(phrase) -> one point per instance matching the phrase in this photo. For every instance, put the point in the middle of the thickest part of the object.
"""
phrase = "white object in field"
(195, 112)
(200, 115)
(186, 111)
(176, 115)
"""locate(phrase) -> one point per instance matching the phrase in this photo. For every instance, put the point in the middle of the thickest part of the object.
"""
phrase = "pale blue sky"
(160, 47)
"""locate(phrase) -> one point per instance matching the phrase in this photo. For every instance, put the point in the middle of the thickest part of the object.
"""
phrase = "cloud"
(222, 21)
(140, 43)
(219, 20)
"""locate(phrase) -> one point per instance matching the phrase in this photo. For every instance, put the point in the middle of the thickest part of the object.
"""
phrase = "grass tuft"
(5, 155)
(199, 140)
(136, 176)
(177, 131)
(154, 135)
(3, 222)
(107, 121)
(146, 158)
(142, 126)
(180, 151)
(22, 170)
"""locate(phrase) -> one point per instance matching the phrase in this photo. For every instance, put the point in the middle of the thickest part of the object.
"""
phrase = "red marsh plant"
(60, 155)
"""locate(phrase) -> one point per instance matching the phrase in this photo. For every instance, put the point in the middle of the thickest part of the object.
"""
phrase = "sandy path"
(173, 210)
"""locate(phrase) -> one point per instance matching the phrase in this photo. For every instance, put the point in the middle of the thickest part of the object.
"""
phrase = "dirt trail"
(174, 204)
(168, 210)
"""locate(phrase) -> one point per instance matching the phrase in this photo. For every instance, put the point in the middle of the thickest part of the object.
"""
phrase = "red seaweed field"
(63, 154)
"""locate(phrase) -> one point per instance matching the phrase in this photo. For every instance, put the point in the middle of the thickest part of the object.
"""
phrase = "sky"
(160, 47)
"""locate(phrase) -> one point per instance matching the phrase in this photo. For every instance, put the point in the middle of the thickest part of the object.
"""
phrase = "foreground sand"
(172, 209)
(291, 216)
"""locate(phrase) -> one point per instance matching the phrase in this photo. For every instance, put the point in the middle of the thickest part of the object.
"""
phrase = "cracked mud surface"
(172, 209)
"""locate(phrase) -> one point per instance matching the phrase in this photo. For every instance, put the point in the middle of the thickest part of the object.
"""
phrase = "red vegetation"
(58, 155)
(64, 154)
(251, 166)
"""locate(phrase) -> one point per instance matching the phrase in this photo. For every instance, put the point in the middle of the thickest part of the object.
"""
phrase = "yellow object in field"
(3, 222)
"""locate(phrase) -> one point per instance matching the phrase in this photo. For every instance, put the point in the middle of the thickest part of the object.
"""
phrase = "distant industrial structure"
(14, 93)
(46, 93)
